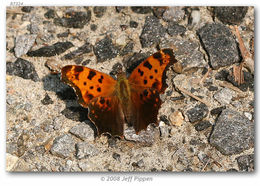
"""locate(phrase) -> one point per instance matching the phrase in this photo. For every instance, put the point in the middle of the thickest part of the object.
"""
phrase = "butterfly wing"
(96, 90)
(147, 81)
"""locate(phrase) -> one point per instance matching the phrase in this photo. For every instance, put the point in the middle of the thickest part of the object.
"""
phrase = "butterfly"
(112, 103)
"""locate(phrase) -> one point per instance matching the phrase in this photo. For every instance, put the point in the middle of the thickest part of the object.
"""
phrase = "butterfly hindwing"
(107, 114)
(151, 72)
(145, 105)
(88, 83)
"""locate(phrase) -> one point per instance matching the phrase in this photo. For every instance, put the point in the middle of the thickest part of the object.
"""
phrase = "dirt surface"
(206, 121)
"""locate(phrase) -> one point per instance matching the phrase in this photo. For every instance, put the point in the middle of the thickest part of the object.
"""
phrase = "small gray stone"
(57, 122)
(197, 113)
(224, 96)
(105, 49)
(233, 133)
(175, 29)
(85, 149)
(83, 131)
(220, 44)
(152, 32)
(230, 14)
(63, 146)
(23, 44)
(246, 163)
(174, 13)
(202, 125)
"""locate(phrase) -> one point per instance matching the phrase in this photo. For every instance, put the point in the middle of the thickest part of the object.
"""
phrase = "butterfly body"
(112, 103)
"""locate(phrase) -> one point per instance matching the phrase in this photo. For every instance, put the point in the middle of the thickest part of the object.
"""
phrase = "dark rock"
(165, 119)
(52, 50)
(246, 163)
(23, 69)
(197, 113)
(230, 14)
(74, 19)
(158, 11)
(76, 113)
(116, 69)
(85, 150)
(47, 100)
(93, 27)
(50, 14)
(202, 125)
(120, 8)
(175, 29)
(141, 9)
(83, 131)
(212, 88)
(84, 63)
(23, 43)
(152, 32)
(27, 9)
(220, 45)
(217, 111)
(99, 11)
(78, 60)
(248, 81)
(222, 75)
(63, 146)
(86, 48)
(112, 141)
(128, 48)
(233, 133)
(63, 34)
(133, 24)
(131, 62)
(116, 156)
(105, 49)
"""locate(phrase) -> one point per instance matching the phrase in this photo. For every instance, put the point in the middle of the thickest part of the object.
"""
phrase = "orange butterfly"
(111, 102)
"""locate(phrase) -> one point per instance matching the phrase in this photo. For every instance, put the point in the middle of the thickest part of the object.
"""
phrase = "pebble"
(152, 32)
(27, 9)
(202, 125)
(86, 48)
(246, 163)
(141, 9)
(46, 100)
(83, 131)
(233, 15)
(57, 122)
(164, 130)
(23, 69)
(85, 150)
(220, 44)
(175, 29)
(73, 19)
(176, 118)
(248, 115)
(93, 27)
(52, 50)
(174, 13)
(116, 156)
(76, 113)
(224, 96)
(233, 133)
(50, 14)
(194, 17)
(133, 24)
(158, 11)
(222, 75)
(187, 52)
(99, 11)
(128, 48)
(33, 28)
(63, 34)
(23, 43)
(105, 49)
(197, 113)
(63, 146)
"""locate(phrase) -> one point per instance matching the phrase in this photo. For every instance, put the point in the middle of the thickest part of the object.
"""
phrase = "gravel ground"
(48, 131)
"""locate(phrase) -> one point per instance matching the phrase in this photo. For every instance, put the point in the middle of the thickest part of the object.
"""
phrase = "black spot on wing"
(85, 83)
(140, 72)
(77, 76)
(145, 81)
(155, 70)
(102, 100)
(100, 80)
(151, 77)
(91, 74)
(89, 96)
(148, 65)
(78, 69)
(91, 87)
(145, 93)
(155, 84)
(99, 89)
